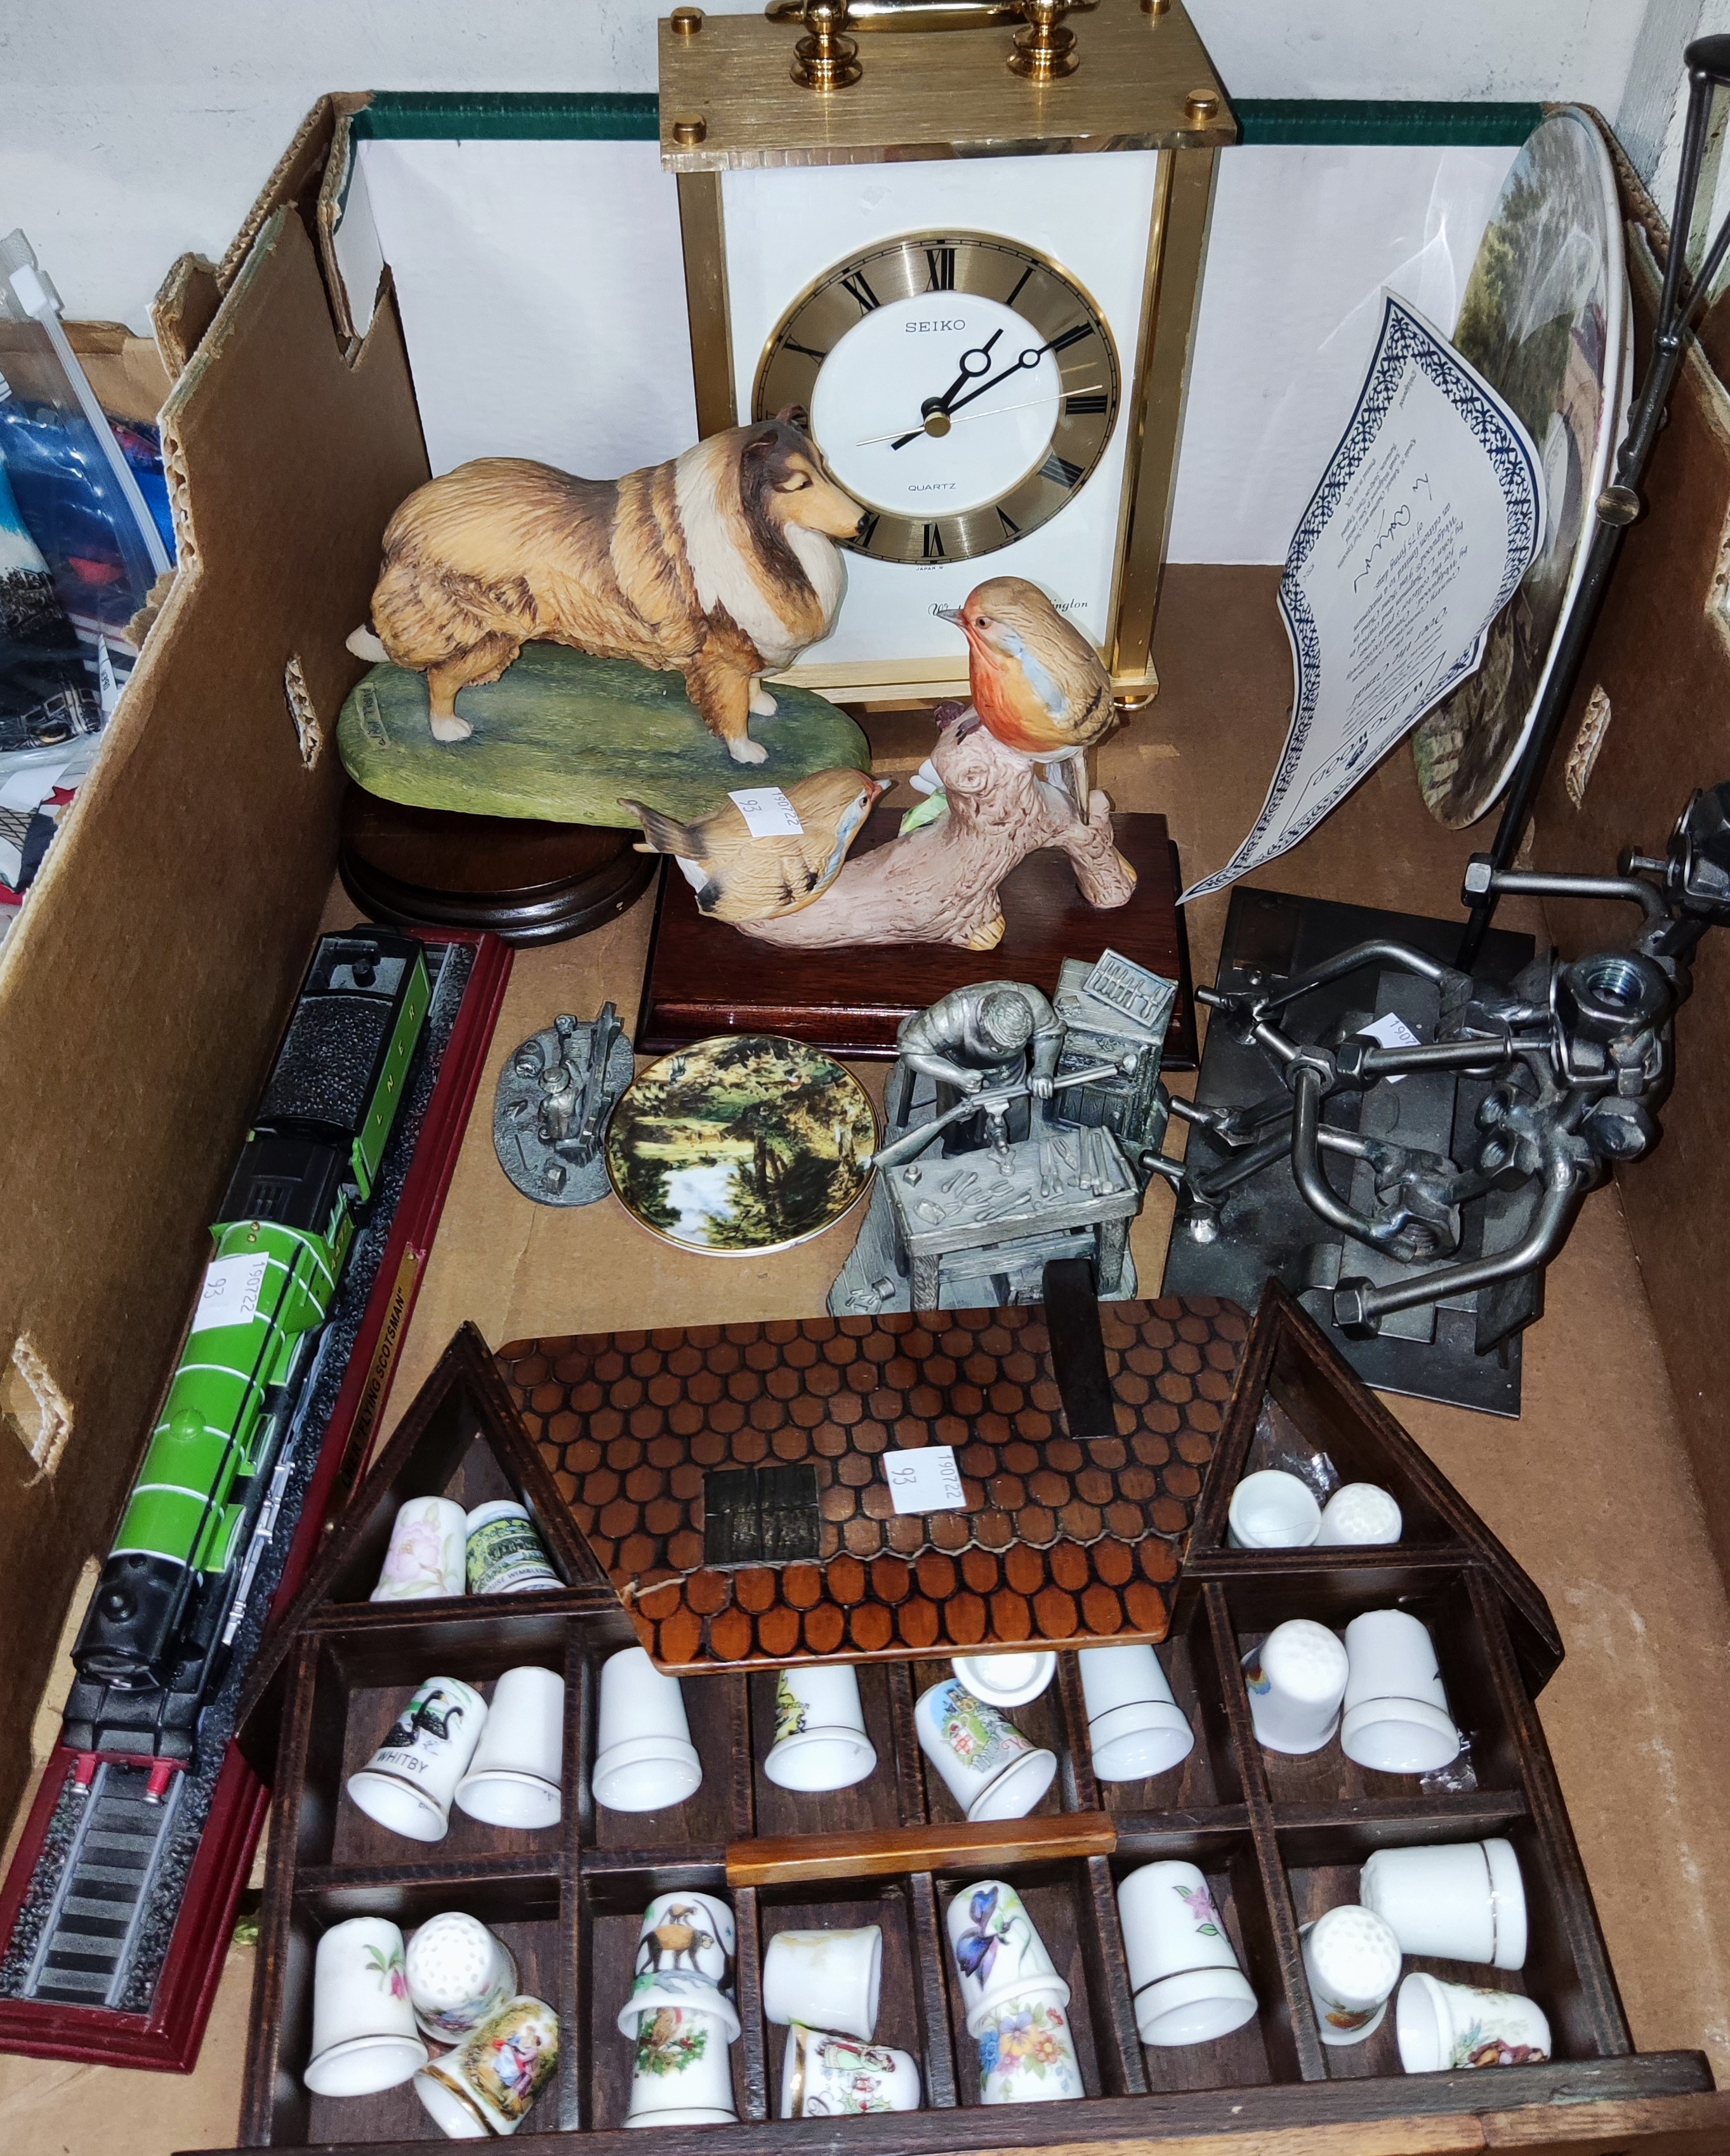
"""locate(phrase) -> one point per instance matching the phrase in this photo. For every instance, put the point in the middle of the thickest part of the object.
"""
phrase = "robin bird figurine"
(739, 877)
(1036, 681)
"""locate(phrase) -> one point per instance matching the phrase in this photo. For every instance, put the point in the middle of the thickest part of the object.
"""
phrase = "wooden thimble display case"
(1279, 1840)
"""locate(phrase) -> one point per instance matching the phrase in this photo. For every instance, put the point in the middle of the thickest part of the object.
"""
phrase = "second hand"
(1002, 412)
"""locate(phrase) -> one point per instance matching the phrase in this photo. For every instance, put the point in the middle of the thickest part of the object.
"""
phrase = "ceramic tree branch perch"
(940, 883)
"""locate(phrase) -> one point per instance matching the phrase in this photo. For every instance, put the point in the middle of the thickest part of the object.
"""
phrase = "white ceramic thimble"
(685, 1958)
(459, 1972)
(1296, 1679)
(825, 1980)
(1360, 1512)
(681, 2075)
(517, 1774)
(644, 1759)
(1441, 2026)
(1135, 1727)
(1027, 2053)
(825, 2076)
(1272, 1510)
(1187, 1985)
(992, 1770)
(428, 1546)
(1005, 1680)
(409, 1781)
(1396, 1717)
(998, 1951)
(363, 2034)
(820, 1740)
(1351, 1961)
(1459, 1900)
(505, 1555)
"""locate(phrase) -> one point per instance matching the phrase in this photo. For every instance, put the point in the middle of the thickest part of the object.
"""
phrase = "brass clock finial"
(1045, 49)
(826, 59)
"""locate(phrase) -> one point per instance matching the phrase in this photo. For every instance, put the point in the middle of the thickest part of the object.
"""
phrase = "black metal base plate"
(1265, 1227)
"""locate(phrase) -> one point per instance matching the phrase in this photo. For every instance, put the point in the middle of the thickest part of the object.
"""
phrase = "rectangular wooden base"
(703, 978)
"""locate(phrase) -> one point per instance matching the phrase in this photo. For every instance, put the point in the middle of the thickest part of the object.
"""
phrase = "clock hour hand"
(969, 372)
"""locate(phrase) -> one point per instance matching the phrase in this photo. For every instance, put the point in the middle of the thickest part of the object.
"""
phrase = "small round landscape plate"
(744, 1143)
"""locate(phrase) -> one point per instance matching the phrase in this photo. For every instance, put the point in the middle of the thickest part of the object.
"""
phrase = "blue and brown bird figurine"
(737, 877)
(1036, 681)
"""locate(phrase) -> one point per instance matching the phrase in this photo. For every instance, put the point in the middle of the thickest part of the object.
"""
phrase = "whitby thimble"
(1296, 1679)
(409, 1781)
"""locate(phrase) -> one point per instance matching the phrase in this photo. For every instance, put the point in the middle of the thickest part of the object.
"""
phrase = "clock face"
(961, 386)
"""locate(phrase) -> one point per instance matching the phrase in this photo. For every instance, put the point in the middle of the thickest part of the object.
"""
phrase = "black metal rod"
(1707, 60)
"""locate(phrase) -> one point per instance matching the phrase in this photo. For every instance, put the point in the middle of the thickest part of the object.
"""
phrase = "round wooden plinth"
(527, 882)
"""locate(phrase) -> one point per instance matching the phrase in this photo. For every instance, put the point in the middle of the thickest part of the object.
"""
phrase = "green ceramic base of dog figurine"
(562, 737)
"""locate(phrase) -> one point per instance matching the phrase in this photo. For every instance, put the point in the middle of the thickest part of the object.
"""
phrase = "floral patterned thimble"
(1027, 2053)
(829, 2077)
(1187, 1985)
(487, 2084)
(363, 2034)
(1444, 2025)
(997, 1952)
(1351, 1959)
(428, 1552)
(991, 1769)
(681, 2075)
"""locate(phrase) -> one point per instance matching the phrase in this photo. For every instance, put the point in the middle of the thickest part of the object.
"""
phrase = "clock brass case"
(932, 264)
(1147, 84)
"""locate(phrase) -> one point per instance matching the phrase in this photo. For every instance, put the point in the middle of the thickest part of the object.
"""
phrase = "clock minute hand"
(1031, 358)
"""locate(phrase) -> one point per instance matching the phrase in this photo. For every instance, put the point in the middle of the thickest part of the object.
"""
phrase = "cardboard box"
(140, 994)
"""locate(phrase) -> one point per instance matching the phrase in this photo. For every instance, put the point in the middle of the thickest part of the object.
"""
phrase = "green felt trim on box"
(634, 117)
(562, 735)
(510, 115)
(1374, 121)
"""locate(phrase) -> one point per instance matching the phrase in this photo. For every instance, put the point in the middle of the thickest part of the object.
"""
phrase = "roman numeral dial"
(961, 386)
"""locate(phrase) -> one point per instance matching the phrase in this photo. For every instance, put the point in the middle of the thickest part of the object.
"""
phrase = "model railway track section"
(86, 1946)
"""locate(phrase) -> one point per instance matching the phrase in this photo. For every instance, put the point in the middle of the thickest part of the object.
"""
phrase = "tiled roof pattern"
(1063, 1542)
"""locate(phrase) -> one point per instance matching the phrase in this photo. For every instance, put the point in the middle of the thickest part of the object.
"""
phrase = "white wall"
(134, 129)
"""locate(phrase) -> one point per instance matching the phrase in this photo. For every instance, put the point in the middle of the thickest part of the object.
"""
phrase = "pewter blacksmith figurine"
(980, 1039)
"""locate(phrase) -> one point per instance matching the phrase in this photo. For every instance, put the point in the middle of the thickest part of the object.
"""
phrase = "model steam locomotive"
(174, 1590)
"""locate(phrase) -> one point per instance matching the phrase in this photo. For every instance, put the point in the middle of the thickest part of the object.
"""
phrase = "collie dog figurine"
(719, 564)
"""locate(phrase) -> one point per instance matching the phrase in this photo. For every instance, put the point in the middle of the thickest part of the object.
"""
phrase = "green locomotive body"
(173, 1588)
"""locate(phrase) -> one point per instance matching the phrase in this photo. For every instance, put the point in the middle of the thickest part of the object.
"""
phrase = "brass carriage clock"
(991, 340)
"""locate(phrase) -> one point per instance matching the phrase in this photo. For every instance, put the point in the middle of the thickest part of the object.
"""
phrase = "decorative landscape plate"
(742, 1143)
(1544, 319)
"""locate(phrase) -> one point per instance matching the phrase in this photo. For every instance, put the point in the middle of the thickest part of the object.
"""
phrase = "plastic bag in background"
(83, 484)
